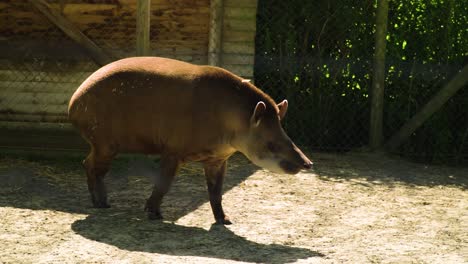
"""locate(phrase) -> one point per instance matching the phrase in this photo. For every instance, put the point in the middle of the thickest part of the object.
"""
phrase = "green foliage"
(308, 54)
(318, 55)
(428, 44)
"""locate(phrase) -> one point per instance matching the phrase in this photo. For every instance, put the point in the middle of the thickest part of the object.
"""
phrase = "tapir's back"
(149, 104)
(136, 76)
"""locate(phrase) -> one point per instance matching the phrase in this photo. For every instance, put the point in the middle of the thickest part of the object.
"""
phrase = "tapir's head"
(266, 143)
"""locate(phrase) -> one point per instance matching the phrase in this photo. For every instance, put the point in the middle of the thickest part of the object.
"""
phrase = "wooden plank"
(34, 109)
(72, 31)
(182, 23)
(85, 21)
(34, 118)
(200, 46)
(9, 99)
(143, 27)
(40, 137)
(240, 12)
(198, 20)
(245, 71)
(113, 32)
(236, 59)
(54, 66)
(36, 87)
(239, 36)
(43, 144)
(37, 126)
(200, 50)
(241, 3)
(196, 59)
(239, 47)
(182, 39)
(175, 3)
(240, 24)
(87, 8)
(43, 76)
(170, 11)
(178, 3)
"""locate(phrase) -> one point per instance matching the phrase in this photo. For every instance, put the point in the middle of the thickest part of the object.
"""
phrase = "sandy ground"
(353, 208)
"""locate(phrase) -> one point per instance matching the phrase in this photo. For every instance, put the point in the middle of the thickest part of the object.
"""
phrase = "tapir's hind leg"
(168, 169)
(97, 164)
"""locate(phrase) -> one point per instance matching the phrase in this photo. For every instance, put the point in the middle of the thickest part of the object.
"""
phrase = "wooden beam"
(143, 27)
(72, 32)
(430, 108)
(378, 78)
(216, 30)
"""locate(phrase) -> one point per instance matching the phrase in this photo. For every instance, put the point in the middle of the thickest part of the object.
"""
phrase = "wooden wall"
(40, 67)
(238, 47)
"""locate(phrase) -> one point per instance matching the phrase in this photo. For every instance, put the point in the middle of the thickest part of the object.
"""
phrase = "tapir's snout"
(296, 162)
(308, 165)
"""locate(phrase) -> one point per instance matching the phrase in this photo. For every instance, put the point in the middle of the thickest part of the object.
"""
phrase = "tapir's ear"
(258, 113)
(283, 107)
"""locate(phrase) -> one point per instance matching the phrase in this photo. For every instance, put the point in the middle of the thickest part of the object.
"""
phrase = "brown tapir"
(183, 112)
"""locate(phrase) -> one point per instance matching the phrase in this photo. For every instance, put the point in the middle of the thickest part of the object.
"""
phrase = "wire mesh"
(316, 54)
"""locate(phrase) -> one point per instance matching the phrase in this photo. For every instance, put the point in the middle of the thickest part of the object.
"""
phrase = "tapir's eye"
(272, 147)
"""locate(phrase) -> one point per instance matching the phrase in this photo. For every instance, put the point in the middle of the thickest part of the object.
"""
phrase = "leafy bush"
(318, 55)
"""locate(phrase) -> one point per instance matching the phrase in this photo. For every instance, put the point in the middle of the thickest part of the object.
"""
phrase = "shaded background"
(318, 54)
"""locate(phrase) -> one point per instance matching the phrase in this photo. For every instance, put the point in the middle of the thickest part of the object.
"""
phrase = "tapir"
(184, 113)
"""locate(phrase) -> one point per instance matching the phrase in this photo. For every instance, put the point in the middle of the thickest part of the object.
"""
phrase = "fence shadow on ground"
(381, 169)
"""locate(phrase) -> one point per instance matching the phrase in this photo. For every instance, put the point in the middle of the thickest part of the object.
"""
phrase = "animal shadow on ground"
(61, 185)
(133, 234)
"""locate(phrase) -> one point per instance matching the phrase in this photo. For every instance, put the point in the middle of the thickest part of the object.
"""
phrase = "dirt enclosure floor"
(353, 208)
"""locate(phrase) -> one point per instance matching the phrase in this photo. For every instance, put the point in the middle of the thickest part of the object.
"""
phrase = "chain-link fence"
(318, 54)
(41, 66)
(42, 61)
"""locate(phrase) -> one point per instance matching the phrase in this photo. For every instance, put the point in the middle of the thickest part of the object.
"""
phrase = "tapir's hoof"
(154, 216)
(223, 221)
(100, 204)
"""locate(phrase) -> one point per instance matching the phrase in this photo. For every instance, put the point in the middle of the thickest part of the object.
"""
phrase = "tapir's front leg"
(168, 169)
(214, 172)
